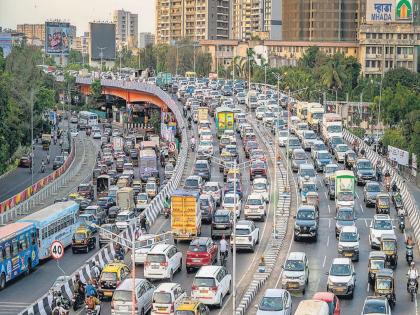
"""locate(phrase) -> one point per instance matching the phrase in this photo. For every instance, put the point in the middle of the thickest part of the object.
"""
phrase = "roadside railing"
(107, 253)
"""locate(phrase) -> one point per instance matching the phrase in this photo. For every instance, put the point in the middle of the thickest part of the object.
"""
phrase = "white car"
(348, 242)
(205, 147)
(167, 297)
(341, 277)
(317, 145)
(255, 207)
(247, 235)
(97, 135)
(142, 201)
(260, 111)
(307, 139)
(74, 133)
(295, 274)
(162, 262)
(241, 97)
(124, 219)
(214, 189)
(211, 284)
(306, 173)
(381, 224)
(145, 243)
(340, 152)
(121, 299)
(229, 202)
(300, 128)
(268, 118)
(260, 186)
(283, 136)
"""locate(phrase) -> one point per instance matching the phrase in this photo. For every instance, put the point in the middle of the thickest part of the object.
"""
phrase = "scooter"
(412, 288)
(95, 311)
(78, 301)
(409, 254)
(401, 223)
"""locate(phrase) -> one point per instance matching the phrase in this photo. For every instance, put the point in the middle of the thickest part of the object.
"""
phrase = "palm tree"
(333, 73)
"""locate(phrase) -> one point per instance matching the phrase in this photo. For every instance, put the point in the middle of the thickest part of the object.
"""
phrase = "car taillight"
(172, 308)
(118, 283)
(164, 264)
(213, 288)
(146, 263)
(261, 207)
(194, 287)
(246, 207)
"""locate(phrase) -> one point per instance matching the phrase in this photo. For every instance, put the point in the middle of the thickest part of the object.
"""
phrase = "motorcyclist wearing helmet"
(412, 274)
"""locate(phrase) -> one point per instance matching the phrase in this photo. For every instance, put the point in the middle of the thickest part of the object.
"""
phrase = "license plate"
(123, 308)
(196, 260)
(220, 226)
(108, 293)
(340, 289)
(155, 267)
(204, 291)
(293, 285)
(348, 254)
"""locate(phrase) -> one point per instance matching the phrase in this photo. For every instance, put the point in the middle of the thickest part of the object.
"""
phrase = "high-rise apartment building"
(33, 32)
(192, 19)
(321, 20)
(146, 39)
(127, 28)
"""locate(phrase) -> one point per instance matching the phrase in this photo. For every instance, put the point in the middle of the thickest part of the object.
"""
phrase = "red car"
(201, 252)
(332, 301)
(258, 168)
(257, 154)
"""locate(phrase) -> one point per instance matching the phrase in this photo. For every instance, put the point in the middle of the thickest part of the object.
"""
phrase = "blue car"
(322, 158)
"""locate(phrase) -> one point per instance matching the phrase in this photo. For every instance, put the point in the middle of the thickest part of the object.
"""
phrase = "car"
(247, 235)
(74, 132)
(25, 161)
(340, 152)
(74, 120)
(260, 111)
(97, 135)
(205, 149)
(241, 97)
(376, 305)
(283, 135)
(341, 277)
(255, 207)
(268, 118)
(258, 154)
(249, 146)
(202, 251)
(258, 169)
(322, 158)
(293, 145)
(300, 129)
(58, 162)
(232, 202)
(260, 186)
(332, 301)
(308, 139)
(146, 243)
(142, 201)
(169, 170)
(363, 171)
(124, 219)
(83, 239)
(348, 242)
(192, 307)
(85, 190)
(306, 223)
(194, 182)
(105, 202)
(370, 191)
(107, 233)
(308, 187)
(167, 297)
(98, 212)
(298, 157)
(111, 276)
(317, 145)
(295, 275)
(202, 169)
(162, 262)
(211, 284)
(233, 185)
(222, 223)
(207, 207)
(329, 170)
(306, 172)
(345, 217)
(213, 189)
(122, 297)
(275, 302)
(381, 224)
(333, 142)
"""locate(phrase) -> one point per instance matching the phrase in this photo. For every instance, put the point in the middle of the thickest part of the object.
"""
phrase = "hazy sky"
(77, 12)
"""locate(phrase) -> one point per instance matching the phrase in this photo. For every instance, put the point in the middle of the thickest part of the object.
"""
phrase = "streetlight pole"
(176, 61)
(194, 58)
(234, 241)
(32, 137)
(379, 116)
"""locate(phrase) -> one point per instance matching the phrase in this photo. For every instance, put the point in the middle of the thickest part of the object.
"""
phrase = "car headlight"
(356, 247)
(340, 247)
(329, 282)
(297, 227)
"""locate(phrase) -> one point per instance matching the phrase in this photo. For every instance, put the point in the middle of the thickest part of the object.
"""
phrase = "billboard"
(57, 38)
(398, 155)
(102, 41)
(404, 10)
(6, 43)
(380, 11)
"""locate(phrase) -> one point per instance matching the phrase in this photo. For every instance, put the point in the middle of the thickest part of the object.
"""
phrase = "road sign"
(56, 250)
(172, 146)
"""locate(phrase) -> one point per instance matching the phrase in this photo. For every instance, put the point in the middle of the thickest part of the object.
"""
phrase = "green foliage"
(96, 90)
(401, 76)
(359, 132)
(75, 57)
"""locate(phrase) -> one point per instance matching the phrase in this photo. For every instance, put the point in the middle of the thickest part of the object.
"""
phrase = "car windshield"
(308, 187)
(294, 143)
(90, 211)
(258, 165)
(150, 186)
(240, 231)
(271, 304)
(340, 270)
(364, 165)
(79, 236)
(334, 128)
(206, 143)
(331, 169)
(109, 276)
(373, 188)
(197, 248)
(210, 188)
(83, 188)
(204, 202)
(254, 202)
(306, 215)
(345, 196)
(162, 298)
(142, 197)
(155, 258)
(348, 237)
(388, 246)
(323, 155)
(122, 296)
(345, 215)
(191, 182)
(283, 134)
(169, 167)
(294, 265)
(260, 186)
(221, 219)
(204, 282)
(337, 140)
(231, 199)
(383, 284)
(200, 166)
(310, 135)
(320, 146)
(300, 156)
(377, 264)
(307, 172)
(122, 217)
(382, 225)
(374, 307)
(342, 148)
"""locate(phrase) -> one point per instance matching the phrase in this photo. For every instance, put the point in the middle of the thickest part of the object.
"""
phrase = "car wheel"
(2, 281)
(220, 305)
(171, 275)
(258, 239)
(230, 288)
(253, 248)
(180, 265)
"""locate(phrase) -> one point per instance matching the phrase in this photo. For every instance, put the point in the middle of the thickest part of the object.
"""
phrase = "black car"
(202, 169)
(106, 202)
(112, 213)
(306, 223)
(58, 162)
(222, 223)
(363, 171)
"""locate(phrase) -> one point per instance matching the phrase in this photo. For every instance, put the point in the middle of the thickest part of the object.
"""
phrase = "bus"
(148, 164)
(57, 222)
(18, 250)
(88, 118)
(224, 120)
(344, 188)
(190, 74)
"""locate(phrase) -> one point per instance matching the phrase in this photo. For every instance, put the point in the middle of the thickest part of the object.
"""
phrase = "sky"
(77, 12)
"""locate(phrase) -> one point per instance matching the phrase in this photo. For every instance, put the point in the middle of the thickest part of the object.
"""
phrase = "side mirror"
(327, 273)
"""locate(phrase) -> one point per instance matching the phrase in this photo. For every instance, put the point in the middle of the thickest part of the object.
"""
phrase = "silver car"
(275, 302)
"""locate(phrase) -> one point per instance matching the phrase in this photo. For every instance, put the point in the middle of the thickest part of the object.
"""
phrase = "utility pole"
(235, 167)
(379, 115)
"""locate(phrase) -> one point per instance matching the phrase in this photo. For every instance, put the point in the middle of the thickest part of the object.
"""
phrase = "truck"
(203, 114)
(164, 80)
(344, 188)
(117, 143)
(331, 126)
(125, 199)
(224, 120)
(315, 113)
(148, 164)
(252, 100)
(185, 214)
(103, 182)
(302, 110)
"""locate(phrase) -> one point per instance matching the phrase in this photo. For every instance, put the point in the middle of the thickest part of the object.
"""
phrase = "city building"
(256, 19)
(192, 19)
(127, 28)
(146, 39)
(321, 20)
(35, 33)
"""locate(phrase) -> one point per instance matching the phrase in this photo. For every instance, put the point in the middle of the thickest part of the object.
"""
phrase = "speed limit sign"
(56, 250)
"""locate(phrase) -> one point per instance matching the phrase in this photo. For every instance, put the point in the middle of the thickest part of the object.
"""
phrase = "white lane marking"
(361, 208)
(357, 196)
(329, 223)
(329, 209)
(323, 263)
(366, 223)
(415, 304)
(326, 197)
(328, 240)
(368, 287)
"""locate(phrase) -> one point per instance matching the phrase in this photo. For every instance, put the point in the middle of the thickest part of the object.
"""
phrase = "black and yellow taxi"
(83, 240)
(111, 276)
(190, 306)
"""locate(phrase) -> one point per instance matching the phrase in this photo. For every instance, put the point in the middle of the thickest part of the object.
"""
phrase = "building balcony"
(375, 70)
(405, 57)
(374, 56)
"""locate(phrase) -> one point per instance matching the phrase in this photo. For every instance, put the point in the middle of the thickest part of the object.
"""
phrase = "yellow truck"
(315, 113)
(203, 114)
(186, 215)
(302, 110)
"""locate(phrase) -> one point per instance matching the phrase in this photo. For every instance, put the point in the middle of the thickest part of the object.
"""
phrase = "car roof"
(212, 184)
(159, 248)
(341, 261)
(323, 151)
(349, 229)
(125, 212)
(245, 223)
(305, 207)
(127, 284)
(194, 177)
(381, 217)
(167, 286)
(306, 165)
(296, 256)
(260, 180)
(206, 271)
(324, 296)
(200, 241)
(274, 292)
(222, 212)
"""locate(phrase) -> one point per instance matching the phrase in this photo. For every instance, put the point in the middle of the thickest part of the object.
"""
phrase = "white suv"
(255, 207)
(348, 242)
(162, 262)
(247, 235)
(381, 224)
(295, 274)
(211, 284)
(167, 297)
(341, 277)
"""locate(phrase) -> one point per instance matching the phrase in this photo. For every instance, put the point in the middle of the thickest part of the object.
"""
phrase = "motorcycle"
(78, 301)
(64, 302)
(412, 288)
(42, 168)
(189, 125)
(192, 147)
(401, 223)
(95, 311)
(167, 212)
(409, 254)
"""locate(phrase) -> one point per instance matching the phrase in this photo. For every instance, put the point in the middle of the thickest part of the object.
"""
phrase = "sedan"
(276, 302)
(345, 217)
(376, 305)
(371, 190)
(232, 201)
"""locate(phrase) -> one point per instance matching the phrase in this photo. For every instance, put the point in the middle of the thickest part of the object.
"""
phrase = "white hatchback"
(162, 262)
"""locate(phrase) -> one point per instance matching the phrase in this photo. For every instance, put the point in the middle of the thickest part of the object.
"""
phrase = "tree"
(75, 57)
(96, 90)
(2, 61)
(333, 73)
(401, 76)
(311, 58)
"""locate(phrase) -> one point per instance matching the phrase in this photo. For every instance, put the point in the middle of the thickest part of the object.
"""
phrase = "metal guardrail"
(106, 254)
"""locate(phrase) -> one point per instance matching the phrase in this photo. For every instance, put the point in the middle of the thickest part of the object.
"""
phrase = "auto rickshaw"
(376, 262)
(383, 204)
(226, 157)
(350, 158)
(312, 199)
(389, 247)
(385, 285)
(331, 187)
(46, 141)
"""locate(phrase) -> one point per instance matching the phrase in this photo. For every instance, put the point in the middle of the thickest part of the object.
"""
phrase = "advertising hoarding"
(398, 155)
(102, 45)
(6, 43)
(404, 10)
(380, 11)
(57, 38)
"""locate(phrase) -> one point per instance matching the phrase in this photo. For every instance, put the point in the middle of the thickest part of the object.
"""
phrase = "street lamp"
(379, 112)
